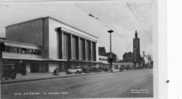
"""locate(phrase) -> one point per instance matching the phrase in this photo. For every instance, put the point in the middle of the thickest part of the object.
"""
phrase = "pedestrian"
(56, 71)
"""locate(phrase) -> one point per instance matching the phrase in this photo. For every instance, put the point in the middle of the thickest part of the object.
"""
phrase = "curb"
(25, 80)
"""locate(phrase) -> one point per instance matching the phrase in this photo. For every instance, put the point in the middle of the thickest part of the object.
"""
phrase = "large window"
(60, 44)
(89, 50)
(74, 47)
(82, 46)
(18, 50)
(65, 44)
(94, 50)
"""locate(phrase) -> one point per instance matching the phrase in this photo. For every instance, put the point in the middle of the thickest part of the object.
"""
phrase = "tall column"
(83, 48)
(96, 51)
(59, 32)
(89, 50)
(73, 47)
(63, 45)
(78, 49)
(70, 47)
(86, 50)
(91, 47)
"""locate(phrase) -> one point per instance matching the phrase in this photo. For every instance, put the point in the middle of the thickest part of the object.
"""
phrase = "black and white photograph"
(78, 49)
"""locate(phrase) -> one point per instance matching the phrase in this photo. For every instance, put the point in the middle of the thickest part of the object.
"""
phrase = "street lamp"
(2, 48)
(110, 55)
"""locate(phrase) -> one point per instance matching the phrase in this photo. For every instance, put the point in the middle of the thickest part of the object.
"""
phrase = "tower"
(136, 48)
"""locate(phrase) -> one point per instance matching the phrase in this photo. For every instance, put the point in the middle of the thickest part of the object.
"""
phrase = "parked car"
(76, 70)
(115, 70)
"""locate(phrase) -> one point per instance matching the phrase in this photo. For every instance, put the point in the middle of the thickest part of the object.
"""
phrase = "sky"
(124, 17)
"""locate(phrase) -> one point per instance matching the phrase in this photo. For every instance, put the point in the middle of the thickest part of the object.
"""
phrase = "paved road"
(136, 83)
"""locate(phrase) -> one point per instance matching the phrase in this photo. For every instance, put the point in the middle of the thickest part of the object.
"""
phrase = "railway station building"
(46, 43)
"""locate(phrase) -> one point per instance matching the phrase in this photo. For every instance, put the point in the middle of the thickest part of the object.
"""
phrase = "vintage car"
(76, 70)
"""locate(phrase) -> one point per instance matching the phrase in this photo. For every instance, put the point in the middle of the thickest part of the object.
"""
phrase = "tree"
(111, 57)
(128, 57)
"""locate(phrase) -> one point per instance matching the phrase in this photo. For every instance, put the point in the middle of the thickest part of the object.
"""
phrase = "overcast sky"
(124, 17)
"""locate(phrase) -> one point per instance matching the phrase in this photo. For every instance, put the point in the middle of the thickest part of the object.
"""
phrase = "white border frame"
(159, 43)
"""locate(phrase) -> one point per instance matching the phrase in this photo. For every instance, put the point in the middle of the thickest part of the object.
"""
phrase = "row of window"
(22, 50)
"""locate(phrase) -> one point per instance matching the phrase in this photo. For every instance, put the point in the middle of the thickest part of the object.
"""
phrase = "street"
(133, 83)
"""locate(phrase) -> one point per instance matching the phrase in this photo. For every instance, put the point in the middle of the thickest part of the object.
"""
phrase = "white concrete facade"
(28, 68)
(53, 40)
(71, 47)
(52, 67)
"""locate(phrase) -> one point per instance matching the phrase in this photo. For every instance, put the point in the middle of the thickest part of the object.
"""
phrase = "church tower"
(136, 48)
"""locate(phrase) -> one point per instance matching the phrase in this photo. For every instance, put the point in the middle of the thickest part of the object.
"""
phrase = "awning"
(48, 60)
(20, 45)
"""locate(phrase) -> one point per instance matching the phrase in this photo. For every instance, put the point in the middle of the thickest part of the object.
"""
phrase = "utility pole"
(1, 50)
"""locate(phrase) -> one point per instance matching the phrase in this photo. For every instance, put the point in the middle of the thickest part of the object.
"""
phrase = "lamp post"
(1, 64)
(2, 48)
(110, 55)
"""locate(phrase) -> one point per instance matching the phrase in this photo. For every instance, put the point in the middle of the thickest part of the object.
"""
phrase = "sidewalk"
(39, 76)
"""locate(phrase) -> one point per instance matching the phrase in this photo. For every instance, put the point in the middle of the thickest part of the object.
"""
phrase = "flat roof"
(49, 17)
(71, 26)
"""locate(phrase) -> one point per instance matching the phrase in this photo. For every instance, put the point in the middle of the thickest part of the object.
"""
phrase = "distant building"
(102, 55)
(148, 61)
(133, 59)
(44, 44)
(102, 51)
